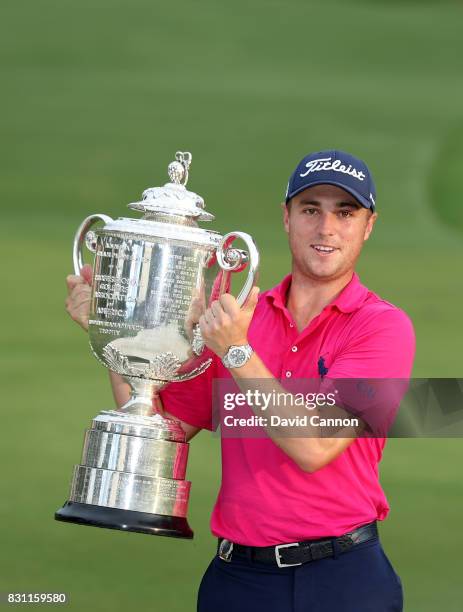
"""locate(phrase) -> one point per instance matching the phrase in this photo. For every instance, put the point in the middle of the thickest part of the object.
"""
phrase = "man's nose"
(327, 224)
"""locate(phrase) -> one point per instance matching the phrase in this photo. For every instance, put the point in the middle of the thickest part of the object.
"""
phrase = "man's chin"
(323, 273)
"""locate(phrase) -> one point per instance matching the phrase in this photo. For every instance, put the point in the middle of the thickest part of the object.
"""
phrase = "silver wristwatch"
(237, 356)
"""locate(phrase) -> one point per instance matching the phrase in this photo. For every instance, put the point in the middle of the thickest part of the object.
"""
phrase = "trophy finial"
(173, 199)
(178, 170)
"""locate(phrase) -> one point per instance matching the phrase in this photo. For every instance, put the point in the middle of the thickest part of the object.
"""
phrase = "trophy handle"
(84, 235)
(235, 260)
(232, 260)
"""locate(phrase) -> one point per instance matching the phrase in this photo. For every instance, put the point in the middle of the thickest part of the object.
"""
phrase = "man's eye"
(310, 211)
(345, 213)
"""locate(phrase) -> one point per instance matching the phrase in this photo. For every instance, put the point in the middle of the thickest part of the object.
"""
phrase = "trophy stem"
(142, 394)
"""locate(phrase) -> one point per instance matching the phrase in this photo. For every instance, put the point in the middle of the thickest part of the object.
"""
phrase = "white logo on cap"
(324, 163)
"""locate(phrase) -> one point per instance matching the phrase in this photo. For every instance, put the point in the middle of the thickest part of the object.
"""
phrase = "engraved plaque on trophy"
(152, 279)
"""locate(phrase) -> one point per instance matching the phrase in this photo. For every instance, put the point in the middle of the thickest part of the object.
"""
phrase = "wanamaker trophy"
(152, 279)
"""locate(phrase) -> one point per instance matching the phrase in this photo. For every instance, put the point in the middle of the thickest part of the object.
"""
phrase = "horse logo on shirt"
(322, 369)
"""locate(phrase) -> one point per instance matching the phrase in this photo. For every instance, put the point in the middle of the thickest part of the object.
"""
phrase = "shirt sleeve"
(372, 370)
(382, 346)
(191, 400)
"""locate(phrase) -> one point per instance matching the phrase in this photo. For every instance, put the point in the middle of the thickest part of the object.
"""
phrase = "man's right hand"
(79, 291)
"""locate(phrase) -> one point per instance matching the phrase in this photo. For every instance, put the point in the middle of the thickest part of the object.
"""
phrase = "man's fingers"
(85, 276)
(217, 310)
(252, 300)
(199, 296)
(202, 324)
(229, 304)
(196, 308)
(78, 304)
(72, 280)
(79, 290)
(75, 302)
(87, 273)
(209, 317)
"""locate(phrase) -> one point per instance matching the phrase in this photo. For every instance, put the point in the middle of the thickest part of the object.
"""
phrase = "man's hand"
(225, 323)
(78, 300)
(196, 309)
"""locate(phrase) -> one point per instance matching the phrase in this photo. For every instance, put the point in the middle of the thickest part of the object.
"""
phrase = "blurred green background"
(96, 97)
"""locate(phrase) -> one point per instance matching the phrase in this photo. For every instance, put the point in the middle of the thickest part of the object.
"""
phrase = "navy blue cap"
(334, 168)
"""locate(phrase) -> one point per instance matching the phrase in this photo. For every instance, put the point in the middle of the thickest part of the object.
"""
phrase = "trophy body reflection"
(152, 279)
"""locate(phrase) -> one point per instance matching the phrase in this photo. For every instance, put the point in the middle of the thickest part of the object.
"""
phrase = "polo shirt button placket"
(288, 374)
(294, 349)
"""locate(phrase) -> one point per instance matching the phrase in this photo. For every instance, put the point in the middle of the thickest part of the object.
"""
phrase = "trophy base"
(125, 520)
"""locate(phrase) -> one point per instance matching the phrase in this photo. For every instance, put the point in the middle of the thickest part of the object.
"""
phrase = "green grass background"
(96, 97)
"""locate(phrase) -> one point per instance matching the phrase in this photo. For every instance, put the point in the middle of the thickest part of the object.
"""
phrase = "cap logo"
(324, 163)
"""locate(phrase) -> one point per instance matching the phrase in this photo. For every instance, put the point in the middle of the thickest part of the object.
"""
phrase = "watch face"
(237, 356)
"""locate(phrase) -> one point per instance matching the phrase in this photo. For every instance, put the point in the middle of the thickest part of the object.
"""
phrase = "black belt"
(297, 553)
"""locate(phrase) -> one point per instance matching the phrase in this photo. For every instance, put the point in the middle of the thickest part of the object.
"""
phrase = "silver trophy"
(152, 279)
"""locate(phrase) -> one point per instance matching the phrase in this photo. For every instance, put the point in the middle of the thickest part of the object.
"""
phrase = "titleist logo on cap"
(325, 163)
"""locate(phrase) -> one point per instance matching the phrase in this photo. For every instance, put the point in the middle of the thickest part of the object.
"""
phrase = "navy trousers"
(360, 580)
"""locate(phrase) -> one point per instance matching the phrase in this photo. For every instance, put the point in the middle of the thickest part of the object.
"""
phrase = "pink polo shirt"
(265, 498)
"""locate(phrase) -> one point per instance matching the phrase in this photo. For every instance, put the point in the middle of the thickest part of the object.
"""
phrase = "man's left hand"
(225, 323)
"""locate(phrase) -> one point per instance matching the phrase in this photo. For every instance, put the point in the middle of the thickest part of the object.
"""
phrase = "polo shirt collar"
(350, 299)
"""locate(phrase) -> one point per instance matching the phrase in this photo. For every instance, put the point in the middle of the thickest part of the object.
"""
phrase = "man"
(296, 516)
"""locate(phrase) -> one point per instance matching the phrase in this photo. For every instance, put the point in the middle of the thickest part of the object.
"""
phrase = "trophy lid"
(173, 199)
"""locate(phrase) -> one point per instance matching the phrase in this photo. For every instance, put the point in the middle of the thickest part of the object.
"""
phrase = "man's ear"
(370, 223)
(285, 209)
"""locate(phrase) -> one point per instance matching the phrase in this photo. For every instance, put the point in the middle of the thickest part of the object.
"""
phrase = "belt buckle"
(278, 556)
(225, 550)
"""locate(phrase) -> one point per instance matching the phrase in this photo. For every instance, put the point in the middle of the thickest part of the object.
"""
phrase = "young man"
(296, 516)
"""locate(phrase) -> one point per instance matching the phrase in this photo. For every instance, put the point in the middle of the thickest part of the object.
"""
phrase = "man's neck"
(307, 297)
